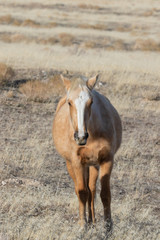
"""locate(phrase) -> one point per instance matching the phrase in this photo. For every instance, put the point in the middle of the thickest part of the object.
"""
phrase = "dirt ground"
(39, 41)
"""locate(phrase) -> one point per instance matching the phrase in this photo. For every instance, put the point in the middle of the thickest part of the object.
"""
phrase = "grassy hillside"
(39, 40)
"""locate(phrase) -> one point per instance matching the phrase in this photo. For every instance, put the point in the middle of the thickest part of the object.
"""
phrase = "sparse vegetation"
(6, 73)
(37, 195)
(147, 45)
(66, 39)
(37, 91)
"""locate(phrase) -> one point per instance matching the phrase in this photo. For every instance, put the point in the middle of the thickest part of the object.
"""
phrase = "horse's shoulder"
(61, 103)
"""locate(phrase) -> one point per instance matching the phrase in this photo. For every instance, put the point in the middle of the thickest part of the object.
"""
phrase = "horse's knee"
(83, 195)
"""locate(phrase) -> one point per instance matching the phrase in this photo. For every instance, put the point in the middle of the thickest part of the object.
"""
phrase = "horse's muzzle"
(81, 140)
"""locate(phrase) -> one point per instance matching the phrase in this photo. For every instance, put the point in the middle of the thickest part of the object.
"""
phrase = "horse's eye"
(69, 103)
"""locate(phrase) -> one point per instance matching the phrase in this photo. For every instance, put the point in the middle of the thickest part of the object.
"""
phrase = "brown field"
(39, 40)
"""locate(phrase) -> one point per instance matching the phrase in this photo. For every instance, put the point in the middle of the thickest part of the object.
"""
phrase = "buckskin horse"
(87, 132)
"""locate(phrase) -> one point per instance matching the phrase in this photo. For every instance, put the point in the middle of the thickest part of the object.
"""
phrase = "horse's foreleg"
(93, 174)
(72, 174)
(82, 192)
(105, 172)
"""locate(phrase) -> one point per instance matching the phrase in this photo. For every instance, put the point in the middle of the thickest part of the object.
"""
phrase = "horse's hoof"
(109, 225)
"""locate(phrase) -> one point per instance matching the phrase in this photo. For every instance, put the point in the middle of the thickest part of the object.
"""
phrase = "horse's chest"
(92, 157)
(89, 159)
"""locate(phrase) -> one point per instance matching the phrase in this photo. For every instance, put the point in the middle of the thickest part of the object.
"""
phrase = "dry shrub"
(6, 73)
(66, 39)
(119, 45)
(148, 13)
(123, 28)
(13, 38)
(83, 5)
(51, 40)
(146, 45)
(151, 96)
(96, 26)
(8, 19)
(88, 6)
(85, 25)
(51, 24)
(19, 38)
(55, 82)
(30, 23)
(99, 27)
(5, 37)
(9, 94)
(37, 91)
(90, 44)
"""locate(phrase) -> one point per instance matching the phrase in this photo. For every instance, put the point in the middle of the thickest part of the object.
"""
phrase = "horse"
(87, 133)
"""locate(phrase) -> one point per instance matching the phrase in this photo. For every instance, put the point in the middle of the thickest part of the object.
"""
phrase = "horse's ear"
(92, 82)
(66, 82)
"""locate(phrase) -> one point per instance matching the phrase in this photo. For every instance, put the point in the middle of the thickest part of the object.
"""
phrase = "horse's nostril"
(76, 135)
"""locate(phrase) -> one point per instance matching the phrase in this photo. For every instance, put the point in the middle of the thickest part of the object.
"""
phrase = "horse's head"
(80, 99)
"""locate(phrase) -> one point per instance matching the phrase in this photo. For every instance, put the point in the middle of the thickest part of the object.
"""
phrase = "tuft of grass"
(89, 6)
(9, 20)
(37, 91)
(30, 23)
(51, 40)
(13, 38)
(151, 96)
(118, 45)
(123, 28)
(148, 13)
(6, 19)
(147, 45)
(9, 94)
(6, 73)
(66, 39)
(90, 44)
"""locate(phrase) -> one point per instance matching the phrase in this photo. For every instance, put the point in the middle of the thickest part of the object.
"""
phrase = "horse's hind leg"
(93, 175)
(105, 172)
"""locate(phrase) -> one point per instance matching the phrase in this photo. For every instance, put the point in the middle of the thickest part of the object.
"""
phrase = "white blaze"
(80, 103)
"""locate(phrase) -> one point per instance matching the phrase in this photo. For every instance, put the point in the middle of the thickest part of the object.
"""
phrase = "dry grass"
(90, 44)
(63, 38)
(6, 73)
(30, 23)
(66, 39)
(38, 91)
(148, 13)
(147, 45)
(89, 6)
(9, 20)
(37, 195)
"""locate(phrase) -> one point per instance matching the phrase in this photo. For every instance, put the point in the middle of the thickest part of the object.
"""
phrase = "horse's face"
(79, 102)
(79, 99)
